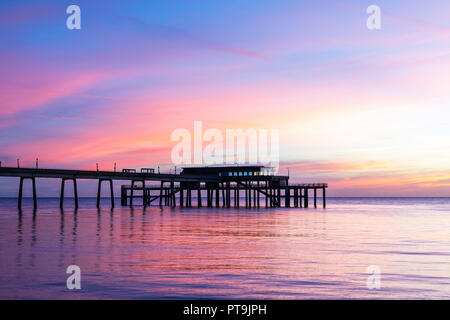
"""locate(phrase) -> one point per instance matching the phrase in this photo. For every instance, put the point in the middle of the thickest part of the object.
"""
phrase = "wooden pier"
(225, 195)
(215, 186)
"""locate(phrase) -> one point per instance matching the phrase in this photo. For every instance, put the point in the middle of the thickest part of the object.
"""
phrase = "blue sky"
(365, 110)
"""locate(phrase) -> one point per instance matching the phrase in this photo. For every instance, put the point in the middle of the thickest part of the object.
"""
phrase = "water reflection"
(226, 253)
(19, 239)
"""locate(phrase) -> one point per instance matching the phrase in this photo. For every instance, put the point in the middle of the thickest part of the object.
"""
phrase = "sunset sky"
(367, 111)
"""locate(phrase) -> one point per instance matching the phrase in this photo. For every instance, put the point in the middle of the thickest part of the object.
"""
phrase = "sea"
(356, 248)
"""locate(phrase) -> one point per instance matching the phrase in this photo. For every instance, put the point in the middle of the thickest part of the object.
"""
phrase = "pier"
(211, 186)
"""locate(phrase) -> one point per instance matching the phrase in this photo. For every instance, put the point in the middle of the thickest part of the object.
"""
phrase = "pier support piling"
(33, 183)
(217, 196)
(228, 195)
(75, 192)
(249, 187)
(279, 197)
(172, 194)
(123, 196)
(287, 197)
(224, 194)
(306, 197)
(161, 193)
(133, 182)
(199, 197)
(189, 197)
(181, 197)
(99, 192)
(267, 195)
(315, 197)
(300, 197)
(259, 190)
(296, 197)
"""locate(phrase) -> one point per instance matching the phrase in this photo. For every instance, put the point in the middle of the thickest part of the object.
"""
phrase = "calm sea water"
(227, 253)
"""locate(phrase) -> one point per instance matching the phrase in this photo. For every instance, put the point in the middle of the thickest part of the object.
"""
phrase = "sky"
(365, 110)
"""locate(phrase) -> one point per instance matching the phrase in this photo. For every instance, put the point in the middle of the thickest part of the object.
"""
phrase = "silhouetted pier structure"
(213, 186)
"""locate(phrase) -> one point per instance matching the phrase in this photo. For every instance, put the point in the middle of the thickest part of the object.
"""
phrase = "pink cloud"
(33, 93)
